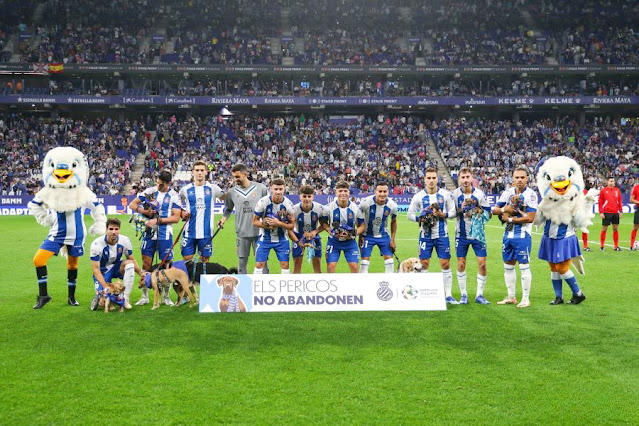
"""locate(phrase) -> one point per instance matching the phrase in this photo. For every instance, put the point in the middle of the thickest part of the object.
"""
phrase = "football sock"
(389, 266)
(461, 279)
(633, 237)
(128, 279)
(556, 284)
(286, 271)
(526, 280)
(615, 238)
(258, 270)
(41, 272)
(363, 267)
(448, 282)
(145, 293)
(570, 279)
(424, 270)
(602, 238)
(481, 284)
(584, 238)
(72, 280)
(510, 276)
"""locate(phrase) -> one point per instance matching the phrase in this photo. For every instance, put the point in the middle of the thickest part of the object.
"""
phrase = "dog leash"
(174, 243)
(399, 262)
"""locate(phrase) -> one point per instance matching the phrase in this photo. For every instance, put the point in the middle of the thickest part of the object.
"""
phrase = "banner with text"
(322, 292)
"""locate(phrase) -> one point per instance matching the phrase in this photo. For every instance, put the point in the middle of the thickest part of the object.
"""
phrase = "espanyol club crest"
(383, 292)
(207, 191)
(386, 212)
(119, 250)
(350, 216)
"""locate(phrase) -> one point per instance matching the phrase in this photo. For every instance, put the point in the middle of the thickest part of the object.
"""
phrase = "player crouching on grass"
(374, 212)
(274, 216)
(305, 233)
(112, 258)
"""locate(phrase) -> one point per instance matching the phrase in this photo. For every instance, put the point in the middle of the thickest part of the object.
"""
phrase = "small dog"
(161, 279)
(230, 300)
(412, 264)
(115, 296)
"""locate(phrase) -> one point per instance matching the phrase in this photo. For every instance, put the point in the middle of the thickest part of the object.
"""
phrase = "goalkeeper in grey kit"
(243, 197)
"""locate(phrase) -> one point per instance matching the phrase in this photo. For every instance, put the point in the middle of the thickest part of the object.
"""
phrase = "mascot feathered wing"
(564, 208)
(60, 205)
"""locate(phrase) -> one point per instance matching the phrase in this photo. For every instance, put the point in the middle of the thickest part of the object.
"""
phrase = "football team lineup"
(267, 221)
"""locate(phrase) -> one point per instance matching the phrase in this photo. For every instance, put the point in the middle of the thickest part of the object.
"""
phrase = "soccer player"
(111, 258)
(517, 207)
(243, 197)
(634, 198)
(339, 220)
(472, 206)
(374, 212)
(198, 199)
(274, 217)
(307, 227)
(161, 205)
(431, 207)
(610, 211)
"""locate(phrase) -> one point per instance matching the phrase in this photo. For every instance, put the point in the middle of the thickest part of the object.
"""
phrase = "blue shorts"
(383, 243)
(109, 276)
(282, 250)
(517, 249)
(441, 245)
(462, 245)
(52, 246)
(149, 247)
(204, 246)
(297, 250)
(334, 248)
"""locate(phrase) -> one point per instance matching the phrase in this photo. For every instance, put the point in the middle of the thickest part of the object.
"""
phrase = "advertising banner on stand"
(322, 292)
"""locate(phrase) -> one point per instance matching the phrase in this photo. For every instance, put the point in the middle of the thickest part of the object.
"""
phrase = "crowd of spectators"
(493, 148)
(368, 149)
(110, 147)
(481, 32)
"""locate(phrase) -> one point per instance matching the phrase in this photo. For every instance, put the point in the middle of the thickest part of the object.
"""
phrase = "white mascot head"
(561, 183)
(65, 167)
(65, 172)
(560, 179)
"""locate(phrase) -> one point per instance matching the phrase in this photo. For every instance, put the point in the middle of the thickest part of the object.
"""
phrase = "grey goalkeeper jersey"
(244, 201)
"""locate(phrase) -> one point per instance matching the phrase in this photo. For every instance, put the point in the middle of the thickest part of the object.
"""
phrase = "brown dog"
(412, 264)
(230, 300)
(163, 278)
(116, 290)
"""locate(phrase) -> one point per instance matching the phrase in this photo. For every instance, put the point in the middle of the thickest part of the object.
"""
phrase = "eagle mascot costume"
(60, 205)
(564, 209)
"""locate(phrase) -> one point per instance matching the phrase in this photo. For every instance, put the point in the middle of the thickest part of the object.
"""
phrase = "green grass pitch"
(470, 364)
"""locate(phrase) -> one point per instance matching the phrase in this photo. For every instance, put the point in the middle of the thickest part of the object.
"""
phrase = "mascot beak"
(561, 187)
(62, 173)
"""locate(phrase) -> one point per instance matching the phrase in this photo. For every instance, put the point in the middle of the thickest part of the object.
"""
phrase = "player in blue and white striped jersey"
(111, 258)
(374, 214)
(161, 205)
(274, 216)
(517, 207)
(472, 205)
(431, 207)
(198, 201)
(304, 235)
(340, 221)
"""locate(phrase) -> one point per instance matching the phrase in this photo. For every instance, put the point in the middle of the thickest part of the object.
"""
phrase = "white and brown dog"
(230, 300)
(412, 264)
